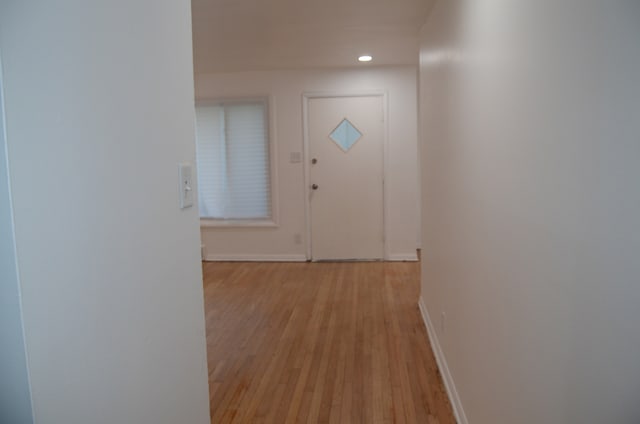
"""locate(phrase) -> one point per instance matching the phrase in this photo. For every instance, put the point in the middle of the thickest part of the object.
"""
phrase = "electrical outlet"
(297, 238)
(442, 322)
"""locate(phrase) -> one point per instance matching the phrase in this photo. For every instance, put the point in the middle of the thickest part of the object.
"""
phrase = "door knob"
(314, 161)
(314, 186)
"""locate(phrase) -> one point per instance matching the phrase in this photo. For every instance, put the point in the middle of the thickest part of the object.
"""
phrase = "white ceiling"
(240, 35)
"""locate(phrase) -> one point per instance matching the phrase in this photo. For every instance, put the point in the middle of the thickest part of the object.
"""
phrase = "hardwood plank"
(319, 343)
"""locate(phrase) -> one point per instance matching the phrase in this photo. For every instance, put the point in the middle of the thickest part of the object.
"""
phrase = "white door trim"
(306, 96)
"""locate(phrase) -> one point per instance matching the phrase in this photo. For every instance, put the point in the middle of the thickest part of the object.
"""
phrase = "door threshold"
(346, 260)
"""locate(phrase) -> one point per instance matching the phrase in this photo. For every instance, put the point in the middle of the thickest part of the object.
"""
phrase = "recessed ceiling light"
(365, 58)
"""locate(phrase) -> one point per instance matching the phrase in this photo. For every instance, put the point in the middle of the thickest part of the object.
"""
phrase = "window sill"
(237, 223)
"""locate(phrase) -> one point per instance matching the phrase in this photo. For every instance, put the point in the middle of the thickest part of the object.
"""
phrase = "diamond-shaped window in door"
(345, 135)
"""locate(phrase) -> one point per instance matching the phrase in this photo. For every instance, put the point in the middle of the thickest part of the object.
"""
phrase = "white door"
(346, 177)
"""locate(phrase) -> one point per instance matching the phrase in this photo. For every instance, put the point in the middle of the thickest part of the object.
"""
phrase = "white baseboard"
(458, 411)
(213, 257)
(403, 257)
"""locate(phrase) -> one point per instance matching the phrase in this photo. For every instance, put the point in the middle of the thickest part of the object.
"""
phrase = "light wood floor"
(319, 343)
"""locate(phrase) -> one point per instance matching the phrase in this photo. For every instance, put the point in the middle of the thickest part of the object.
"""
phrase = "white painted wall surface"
(286, 89)
(99, 107)
(531, 159)
(15, 400)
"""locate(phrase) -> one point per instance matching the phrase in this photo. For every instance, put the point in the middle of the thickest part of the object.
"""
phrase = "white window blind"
(233, 160)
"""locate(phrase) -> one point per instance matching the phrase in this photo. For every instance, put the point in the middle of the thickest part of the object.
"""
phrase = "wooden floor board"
(319, 343)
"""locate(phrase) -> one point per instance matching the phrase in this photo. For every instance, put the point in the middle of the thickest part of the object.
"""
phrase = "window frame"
(272, 221)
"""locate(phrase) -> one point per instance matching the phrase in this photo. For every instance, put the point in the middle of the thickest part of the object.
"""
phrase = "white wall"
(286, 89)
(531, 237)
(99, 109)
(15, 401)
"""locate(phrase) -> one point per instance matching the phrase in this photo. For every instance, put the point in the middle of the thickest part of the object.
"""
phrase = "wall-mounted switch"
(186, 188)
(295, 157)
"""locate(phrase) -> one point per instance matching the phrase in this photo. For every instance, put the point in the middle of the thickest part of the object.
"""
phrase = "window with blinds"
(233, 160)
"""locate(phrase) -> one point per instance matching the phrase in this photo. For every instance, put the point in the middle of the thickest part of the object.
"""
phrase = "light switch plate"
(295, 157)
(186, 188)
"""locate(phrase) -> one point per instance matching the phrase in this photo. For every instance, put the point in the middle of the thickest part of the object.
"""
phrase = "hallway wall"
(531, 163)
(99, 112)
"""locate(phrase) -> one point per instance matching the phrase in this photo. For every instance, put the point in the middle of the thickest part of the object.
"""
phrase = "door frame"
(306, 97)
